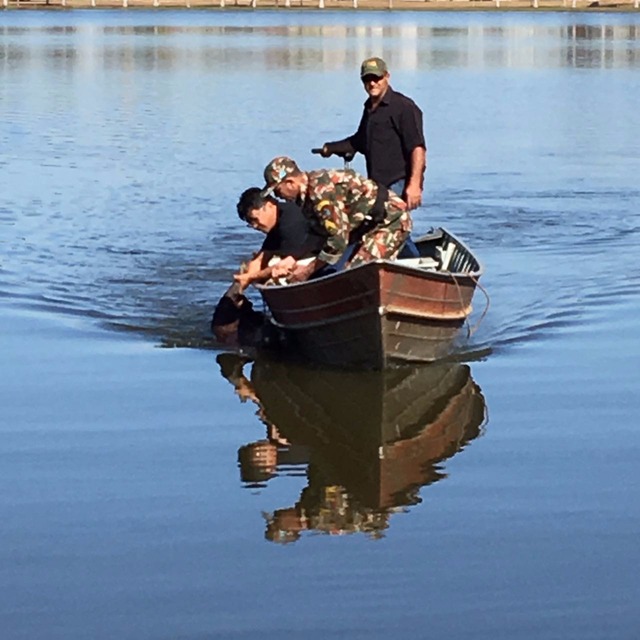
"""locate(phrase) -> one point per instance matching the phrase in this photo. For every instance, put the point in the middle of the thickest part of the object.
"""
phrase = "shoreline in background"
(343, 5)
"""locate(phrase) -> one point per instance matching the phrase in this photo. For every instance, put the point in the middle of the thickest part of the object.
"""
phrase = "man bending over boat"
(356, 214)
(290, 236)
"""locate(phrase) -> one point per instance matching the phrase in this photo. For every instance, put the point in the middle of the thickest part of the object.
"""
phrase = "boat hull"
(376, 314)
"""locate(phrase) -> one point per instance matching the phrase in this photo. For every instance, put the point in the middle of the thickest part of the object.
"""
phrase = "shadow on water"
(366, 442)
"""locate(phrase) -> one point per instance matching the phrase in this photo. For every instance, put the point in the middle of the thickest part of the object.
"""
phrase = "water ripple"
(118, 198)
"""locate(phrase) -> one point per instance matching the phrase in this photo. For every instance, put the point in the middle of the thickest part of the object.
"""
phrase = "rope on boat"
(472, 330)
(462, 307)
(475, 327)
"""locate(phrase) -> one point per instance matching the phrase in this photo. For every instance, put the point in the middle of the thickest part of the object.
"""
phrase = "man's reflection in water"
(259, 460)
(369, 440)
(328, 509)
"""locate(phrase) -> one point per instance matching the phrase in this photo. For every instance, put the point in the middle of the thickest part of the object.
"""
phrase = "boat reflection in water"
(367, 442)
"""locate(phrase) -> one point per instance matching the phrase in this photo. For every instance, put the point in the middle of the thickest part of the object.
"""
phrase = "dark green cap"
(373, 67)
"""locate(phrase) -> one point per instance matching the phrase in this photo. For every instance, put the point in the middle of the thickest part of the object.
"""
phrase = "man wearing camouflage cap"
(390, 136)
(343, 204)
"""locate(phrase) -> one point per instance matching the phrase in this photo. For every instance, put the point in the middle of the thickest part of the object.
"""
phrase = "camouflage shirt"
(340, 200)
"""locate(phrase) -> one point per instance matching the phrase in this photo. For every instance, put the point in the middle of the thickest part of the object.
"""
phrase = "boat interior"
(438, 251)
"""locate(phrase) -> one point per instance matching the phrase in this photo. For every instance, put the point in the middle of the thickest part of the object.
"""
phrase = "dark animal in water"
(235, 321)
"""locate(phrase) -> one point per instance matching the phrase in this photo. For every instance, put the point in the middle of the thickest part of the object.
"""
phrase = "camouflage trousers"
(384, 241)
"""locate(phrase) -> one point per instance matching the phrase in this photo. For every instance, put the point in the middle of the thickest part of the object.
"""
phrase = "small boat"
(382, 312)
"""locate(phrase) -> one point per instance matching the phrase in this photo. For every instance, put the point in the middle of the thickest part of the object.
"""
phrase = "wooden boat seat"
(446, 253)
(419, 263)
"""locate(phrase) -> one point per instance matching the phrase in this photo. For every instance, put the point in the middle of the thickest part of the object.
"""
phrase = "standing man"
(347, 206)
(390, 136)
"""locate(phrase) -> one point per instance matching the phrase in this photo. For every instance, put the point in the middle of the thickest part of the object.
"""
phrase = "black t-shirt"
(293, 235)
(388, 135)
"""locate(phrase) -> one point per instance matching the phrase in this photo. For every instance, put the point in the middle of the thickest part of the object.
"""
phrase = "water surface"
(154, 493)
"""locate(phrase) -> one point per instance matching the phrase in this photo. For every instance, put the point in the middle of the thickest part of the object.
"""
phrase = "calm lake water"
(170, 494)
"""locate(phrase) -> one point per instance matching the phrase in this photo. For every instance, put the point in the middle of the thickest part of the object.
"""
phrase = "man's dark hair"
(250, 199)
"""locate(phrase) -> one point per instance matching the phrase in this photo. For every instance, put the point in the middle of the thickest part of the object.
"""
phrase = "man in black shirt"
(290, 236)
(390, 136)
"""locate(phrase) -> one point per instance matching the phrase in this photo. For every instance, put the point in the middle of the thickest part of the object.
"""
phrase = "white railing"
(320, 4)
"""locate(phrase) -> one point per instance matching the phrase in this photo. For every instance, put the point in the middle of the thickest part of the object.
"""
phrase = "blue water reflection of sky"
(125, 141)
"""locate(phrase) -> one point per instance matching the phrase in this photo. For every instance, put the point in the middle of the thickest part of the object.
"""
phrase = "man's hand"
(413, 188)
(413, 196)
(342, 148)
(243, 279)
(302, 272)
(284, 267)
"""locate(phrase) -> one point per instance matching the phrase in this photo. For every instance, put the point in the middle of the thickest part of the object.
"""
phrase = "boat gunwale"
(392, 266)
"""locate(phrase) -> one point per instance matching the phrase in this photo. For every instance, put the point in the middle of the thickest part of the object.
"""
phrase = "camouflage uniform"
(341, 200)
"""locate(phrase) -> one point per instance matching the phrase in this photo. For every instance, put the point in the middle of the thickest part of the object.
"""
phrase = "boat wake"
(550, 258)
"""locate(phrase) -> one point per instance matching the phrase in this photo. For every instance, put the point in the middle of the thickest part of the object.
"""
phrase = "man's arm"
(413, 187)
(411, 133)
(252, 270)
(343, 148)
(303, 272)
(289, 268)
(282, 268)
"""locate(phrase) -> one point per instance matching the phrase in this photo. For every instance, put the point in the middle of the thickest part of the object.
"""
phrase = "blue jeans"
(398, 187)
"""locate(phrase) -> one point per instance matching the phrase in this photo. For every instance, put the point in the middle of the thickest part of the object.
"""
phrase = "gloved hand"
(341, 148)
